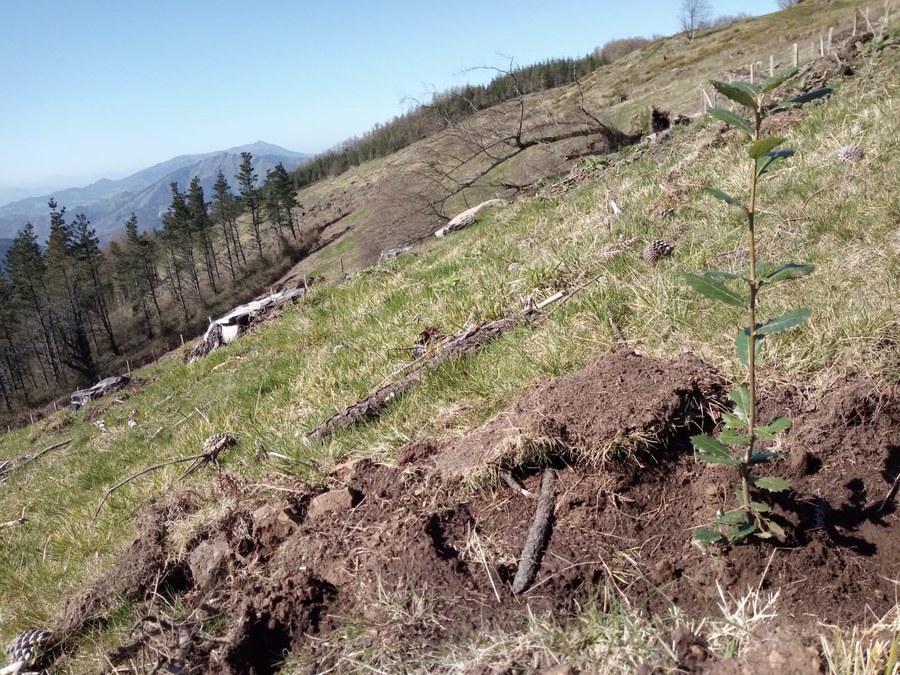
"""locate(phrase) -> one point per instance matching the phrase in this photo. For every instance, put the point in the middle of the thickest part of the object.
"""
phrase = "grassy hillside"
(274, 384)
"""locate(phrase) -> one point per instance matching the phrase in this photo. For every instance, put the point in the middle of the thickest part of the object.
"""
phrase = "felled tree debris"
(371, 405)
(8, 465)
(102, 388)
(213, 446)
(239, 320)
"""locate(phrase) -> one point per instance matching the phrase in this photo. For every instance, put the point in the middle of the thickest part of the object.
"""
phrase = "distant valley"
(109, 203)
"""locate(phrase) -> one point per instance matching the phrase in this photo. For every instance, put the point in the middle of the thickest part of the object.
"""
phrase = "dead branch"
(516, 485)
(374, 402)
(21, 520)
(538, 536)
(212, 448)
(7, 466)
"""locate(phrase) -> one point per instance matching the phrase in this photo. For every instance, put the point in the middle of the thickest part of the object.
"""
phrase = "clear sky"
(95, 88)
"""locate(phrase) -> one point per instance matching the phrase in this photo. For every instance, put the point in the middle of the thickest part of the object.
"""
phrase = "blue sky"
(107, 87)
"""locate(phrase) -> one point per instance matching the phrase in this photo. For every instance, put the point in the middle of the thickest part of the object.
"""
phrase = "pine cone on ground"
(850, 153)
(657, 250)
(27, 646)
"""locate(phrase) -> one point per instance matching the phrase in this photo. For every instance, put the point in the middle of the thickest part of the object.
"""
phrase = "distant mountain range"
(109, 203)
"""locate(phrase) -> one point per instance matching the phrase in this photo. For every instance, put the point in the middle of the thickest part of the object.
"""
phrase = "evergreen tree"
(250, 198)
(25, 267)
(201, 225)
(224, 208)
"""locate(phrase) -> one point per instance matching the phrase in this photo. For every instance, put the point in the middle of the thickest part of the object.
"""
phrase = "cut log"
(371, 405)
(225, 329)
(467, 217)
(102, 388)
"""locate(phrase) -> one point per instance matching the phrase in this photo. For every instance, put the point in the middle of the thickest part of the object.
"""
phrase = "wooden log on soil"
(538, 536)
(234, 324)
(102, 388)
(373, 403)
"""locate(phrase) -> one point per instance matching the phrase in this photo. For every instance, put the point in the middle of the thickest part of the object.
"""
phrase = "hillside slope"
(404, 561)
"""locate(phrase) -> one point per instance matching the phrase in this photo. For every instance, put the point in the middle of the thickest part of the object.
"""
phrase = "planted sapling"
(737, 445)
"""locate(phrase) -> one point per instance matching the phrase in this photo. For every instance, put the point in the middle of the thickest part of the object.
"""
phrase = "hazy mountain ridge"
(108, 203)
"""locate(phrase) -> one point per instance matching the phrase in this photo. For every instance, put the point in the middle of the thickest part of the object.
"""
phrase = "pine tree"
(26, 270)
(281, 198)
(178, 232)
(90, 260)
(201, 225)
(250, 198)
(224, 209)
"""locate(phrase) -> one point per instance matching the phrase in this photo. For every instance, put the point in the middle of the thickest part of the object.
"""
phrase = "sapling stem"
(735, 445)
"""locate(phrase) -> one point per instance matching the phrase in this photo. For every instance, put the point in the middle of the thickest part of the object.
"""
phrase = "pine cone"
(850, 153)
(27, 646)
(216, 443)
(657, 250)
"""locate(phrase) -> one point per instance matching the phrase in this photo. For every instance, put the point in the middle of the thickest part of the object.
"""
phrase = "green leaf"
(788, 271)
(774, 82)
(705, 536)
(735, 517)
(741, 532)
(731, 118)
(742, 345)
(764, 163)
(720, 274)
(713, 289)
(739, 92)
(734, 439)
(765, 268)
(759, 507)
(774, 427)
(763, 146)
(712, 451)
(734, 422)
(775, 529)
(763, 457)
(725, 197)
(784, 322)
(740, 395)
(771, 483)
(806, 98)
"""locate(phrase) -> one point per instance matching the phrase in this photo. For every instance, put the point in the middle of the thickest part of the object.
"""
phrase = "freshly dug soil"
(414, 554)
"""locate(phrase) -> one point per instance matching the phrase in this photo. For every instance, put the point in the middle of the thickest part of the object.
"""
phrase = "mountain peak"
(263, 148)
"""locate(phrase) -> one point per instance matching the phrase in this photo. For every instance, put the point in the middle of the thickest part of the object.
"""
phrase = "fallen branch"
(538, 536)
(21, 520)
(516, 485)
(7, 466)
(373, 403)
(212, 448)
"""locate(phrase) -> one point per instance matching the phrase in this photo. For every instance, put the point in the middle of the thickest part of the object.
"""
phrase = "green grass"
(271, 386)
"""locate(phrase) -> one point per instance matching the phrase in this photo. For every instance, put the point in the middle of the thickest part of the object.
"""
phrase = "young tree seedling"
(737, 444)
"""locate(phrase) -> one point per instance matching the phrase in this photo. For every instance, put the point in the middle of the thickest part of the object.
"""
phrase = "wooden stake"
(752, 81)
(821, 45)
(796, 55)
(771, 65)
(830, 39)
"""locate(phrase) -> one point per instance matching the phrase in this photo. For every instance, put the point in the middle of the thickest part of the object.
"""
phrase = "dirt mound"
(619, 406)
(397, 558)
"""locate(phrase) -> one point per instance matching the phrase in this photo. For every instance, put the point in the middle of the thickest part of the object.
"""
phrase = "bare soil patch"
(417, 554)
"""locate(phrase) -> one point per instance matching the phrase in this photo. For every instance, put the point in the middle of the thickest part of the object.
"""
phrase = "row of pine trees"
(69, 309)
